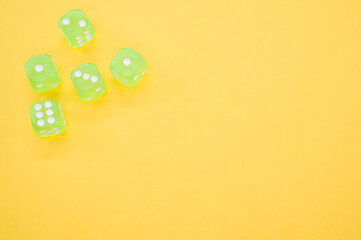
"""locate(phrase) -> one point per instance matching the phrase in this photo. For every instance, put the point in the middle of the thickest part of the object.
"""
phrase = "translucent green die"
(88, 82)
(42, 73)
(128, 67)
(77, 28)
(47, 118)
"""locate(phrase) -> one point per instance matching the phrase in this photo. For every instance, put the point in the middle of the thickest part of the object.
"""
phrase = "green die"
(88, 82)
(42, 73)
(47, 118)
(77, 28)
(128, 67)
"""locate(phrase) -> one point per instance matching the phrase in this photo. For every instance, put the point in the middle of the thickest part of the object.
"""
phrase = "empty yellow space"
(247, 124)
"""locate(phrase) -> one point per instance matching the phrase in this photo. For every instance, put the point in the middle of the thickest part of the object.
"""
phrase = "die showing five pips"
(47, 116)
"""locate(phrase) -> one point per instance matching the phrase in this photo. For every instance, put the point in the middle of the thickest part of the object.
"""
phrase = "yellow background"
(247, 124)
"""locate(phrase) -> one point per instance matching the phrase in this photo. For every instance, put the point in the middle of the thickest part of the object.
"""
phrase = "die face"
(88, 81)
(77, 28)
(42, 73)
(47, 118)
(128, 67)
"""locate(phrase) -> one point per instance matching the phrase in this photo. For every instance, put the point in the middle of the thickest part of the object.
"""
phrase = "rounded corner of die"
(60, 24)
(32, 107)
(54, 101)
(49, 57)
(26, 64)
(145, 63)
(38, 89)
(77, 10)
(89, 64)
(72, 73)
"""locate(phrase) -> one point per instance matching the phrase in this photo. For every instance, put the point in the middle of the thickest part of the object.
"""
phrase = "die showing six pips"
(47, 116)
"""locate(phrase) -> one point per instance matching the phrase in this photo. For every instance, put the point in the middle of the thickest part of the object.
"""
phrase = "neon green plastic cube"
(47, 118)
(42, 73)
(128, 67)
(88, 82)
(77, 28)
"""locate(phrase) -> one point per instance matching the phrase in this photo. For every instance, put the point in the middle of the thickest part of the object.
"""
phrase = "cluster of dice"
(47, 117)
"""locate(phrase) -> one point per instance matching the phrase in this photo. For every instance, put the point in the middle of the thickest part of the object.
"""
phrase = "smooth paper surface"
(247, 124)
